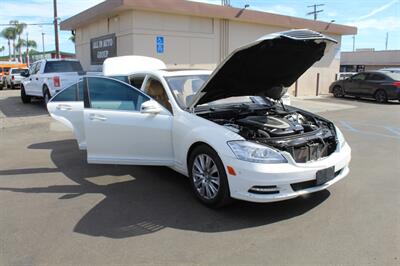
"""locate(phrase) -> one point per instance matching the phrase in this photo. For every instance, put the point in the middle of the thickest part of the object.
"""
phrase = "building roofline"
(182, 7)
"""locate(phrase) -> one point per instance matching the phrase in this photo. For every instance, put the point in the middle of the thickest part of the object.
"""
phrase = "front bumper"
(290, 180)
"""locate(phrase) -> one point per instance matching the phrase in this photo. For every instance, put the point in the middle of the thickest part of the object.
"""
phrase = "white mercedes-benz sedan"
(227, 130)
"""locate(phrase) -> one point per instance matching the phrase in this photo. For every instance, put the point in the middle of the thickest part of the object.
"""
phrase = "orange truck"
(5, 68)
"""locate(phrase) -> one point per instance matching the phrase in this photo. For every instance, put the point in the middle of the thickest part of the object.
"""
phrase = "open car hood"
(265, 67)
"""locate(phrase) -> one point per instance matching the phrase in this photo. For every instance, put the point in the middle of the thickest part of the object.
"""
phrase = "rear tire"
(208, 177)
(338, 92)
(25, 98)
(46, 95)
(381, 96)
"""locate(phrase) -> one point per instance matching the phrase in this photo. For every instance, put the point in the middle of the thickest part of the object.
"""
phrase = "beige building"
(191, 34)
(369, 59)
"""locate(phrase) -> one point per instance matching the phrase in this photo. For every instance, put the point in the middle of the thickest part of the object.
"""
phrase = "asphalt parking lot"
(57, 209)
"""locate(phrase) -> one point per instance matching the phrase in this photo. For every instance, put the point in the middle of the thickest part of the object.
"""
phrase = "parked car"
(209, 127)
(48, 76)
(391, 69)
(14, 79)
(380, 85)
(5, 67)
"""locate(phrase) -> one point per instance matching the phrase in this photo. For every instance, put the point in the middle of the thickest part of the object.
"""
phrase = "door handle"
(37, 78)
(95, 117)
(64, 107)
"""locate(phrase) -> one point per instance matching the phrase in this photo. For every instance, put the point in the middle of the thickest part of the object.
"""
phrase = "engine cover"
(273, 125)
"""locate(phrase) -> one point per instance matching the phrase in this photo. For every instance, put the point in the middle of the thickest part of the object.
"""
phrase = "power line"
(28, 24)
(315, 12)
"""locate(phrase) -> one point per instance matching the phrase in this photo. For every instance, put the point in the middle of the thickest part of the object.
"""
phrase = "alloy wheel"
(206, 177)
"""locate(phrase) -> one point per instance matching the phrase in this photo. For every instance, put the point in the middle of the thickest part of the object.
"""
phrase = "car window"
(110, 94)
(32, 69)
(156, 90)
(137, 81)
(37, 68)
(72, 93)
(62, 66)
(185, 87)
(376, 77)
(121, 78)
(18, 71)
(361, 76)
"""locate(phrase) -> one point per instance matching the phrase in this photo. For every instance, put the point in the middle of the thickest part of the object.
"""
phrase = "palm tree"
(72, 38)
(9, 34)
(19, 29)
(2, 49)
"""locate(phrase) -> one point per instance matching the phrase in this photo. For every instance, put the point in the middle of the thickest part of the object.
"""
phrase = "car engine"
(305, 136)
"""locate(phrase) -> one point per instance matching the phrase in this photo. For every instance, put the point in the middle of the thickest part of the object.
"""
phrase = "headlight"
(341, 139)
(256, 153)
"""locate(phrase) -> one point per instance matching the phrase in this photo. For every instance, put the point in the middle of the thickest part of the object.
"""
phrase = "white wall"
(191, 42)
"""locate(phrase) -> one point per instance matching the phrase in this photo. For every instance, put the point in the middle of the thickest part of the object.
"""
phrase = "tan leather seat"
(156, 91)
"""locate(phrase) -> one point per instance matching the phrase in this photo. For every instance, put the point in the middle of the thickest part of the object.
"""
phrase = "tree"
(23, 43)
(2, 49)
(72, 38)
(19, 29)
(9, 34)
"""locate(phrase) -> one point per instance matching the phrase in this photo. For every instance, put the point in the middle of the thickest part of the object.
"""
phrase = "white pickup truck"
(47, 77)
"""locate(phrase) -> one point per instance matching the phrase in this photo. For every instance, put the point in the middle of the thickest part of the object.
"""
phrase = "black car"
(380, 85)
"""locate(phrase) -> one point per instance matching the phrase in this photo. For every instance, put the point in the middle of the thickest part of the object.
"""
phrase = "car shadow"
(13, 107)
(151, 199)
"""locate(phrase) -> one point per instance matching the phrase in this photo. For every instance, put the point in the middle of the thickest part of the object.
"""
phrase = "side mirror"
(150, 107)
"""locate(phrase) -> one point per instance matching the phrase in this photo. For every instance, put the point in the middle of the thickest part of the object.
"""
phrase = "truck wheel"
(25, 98)
(46, 95)
(208, 177)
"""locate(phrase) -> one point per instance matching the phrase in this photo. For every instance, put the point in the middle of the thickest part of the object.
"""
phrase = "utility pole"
(315, 12)
(43, 54)
(387, 40)
(56, 29)
(354, 43)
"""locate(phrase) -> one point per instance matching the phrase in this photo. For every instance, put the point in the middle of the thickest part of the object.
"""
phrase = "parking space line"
(350, 126)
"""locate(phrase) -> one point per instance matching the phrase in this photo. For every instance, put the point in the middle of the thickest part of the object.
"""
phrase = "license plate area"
(325, 175)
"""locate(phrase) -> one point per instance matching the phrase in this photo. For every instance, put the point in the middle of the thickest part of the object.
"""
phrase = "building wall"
(192, 42)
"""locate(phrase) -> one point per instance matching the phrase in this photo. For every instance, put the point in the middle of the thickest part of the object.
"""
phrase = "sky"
(374, 18)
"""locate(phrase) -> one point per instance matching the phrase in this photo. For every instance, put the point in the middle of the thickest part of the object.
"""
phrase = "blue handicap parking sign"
(160, 44)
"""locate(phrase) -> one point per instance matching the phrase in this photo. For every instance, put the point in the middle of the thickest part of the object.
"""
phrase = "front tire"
(208, 177)
(381, 96)
(338, 92)
(25, 98)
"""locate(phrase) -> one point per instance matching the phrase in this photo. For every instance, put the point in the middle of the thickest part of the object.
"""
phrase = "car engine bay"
(305, 136)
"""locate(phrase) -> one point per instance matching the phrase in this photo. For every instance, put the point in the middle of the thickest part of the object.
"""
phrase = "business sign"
(102, 48)
(160, 47)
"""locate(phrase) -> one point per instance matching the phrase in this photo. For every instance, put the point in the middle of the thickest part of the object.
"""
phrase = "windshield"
(185, 87)
(62, 66)
(18, 71)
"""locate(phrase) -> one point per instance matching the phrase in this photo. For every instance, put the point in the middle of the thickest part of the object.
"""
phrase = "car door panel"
(123, 137)
(67, 107)
(118, 133)
(71, 115)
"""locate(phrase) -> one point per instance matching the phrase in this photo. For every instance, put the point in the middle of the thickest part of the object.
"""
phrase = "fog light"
(264, 190)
